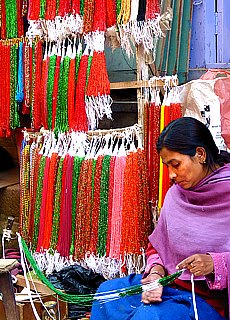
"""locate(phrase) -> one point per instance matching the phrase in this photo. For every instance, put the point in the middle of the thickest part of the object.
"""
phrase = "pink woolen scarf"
(195, 221)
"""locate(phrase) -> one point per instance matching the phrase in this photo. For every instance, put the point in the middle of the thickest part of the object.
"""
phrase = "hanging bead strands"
(35, 162)
(111, 19)
(71, 88)
(64, 26)
(96, 205)
(44, 83)
(98, 100)
(50, 89)
(14, 115)
(20, 78)
(137, 21)
(74, 212)
(36, 75)
(50, 200)
(65, 229)
(42, 217)
(5, 129)
(157, 116)
(11, 18)
(11, 80)
(75, 179)
(25, 189)
(117, 206)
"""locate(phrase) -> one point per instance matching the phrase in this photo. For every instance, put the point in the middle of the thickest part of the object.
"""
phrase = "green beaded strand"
(118, 7)
(64, 95)
(58, 111)
(82, 3)
(14, 116)
(103, 217)
(11, 19)
(42, 9)
(50, 87)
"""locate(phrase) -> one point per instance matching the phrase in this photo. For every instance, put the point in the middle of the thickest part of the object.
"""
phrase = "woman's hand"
(198, 264)
(153, 295)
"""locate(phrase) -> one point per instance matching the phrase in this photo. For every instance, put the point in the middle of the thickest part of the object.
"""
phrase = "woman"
(192, 233)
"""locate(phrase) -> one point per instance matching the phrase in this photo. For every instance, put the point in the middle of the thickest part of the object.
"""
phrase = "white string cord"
(35, 289)
(3, 246)
(25, 267)
(194, 298)
(26, 279)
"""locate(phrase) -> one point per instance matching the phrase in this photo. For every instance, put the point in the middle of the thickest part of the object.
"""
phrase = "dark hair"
(185, 134)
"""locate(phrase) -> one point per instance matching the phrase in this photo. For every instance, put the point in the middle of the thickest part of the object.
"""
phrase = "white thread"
(26, 279)
(37, 293)
(194, 298)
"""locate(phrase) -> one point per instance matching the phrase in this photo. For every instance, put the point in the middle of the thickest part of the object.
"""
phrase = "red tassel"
(96, 206)
(64, 8)
(99, 23)
(50, 201)
(44, 112)
(64, 236)
(98, 83)
(34, 9)
(110, 202)
(152, 9)
(75, 6)
(6, 92)
(111, 18)
(80, 119)
(55, 90)
(3, 20)
(43, 206)
(71, 91)
(88, 15)
(20, 19)
(50, 12)
(37, 87)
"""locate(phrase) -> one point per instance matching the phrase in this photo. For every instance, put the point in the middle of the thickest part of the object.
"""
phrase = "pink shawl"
(195, 221)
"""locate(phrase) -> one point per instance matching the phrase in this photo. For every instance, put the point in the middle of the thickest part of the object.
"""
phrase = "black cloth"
(75, 279)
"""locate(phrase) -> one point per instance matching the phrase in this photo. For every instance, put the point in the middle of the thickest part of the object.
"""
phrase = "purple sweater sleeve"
(220, 279)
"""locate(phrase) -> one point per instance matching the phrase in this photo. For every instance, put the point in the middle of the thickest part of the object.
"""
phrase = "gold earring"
(204, 161)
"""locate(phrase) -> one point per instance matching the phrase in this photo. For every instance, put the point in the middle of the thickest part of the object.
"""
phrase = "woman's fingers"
(198, 264)
(187, 263)
(151, 296)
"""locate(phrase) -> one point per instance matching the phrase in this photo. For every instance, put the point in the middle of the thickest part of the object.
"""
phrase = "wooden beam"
(136, 84)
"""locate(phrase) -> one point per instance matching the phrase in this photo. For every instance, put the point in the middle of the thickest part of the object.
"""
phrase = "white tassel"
(49, 262)
(97, 108)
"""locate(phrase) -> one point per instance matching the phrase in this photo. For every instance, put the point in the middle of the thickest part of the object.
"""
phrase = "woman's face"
(184, 170)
